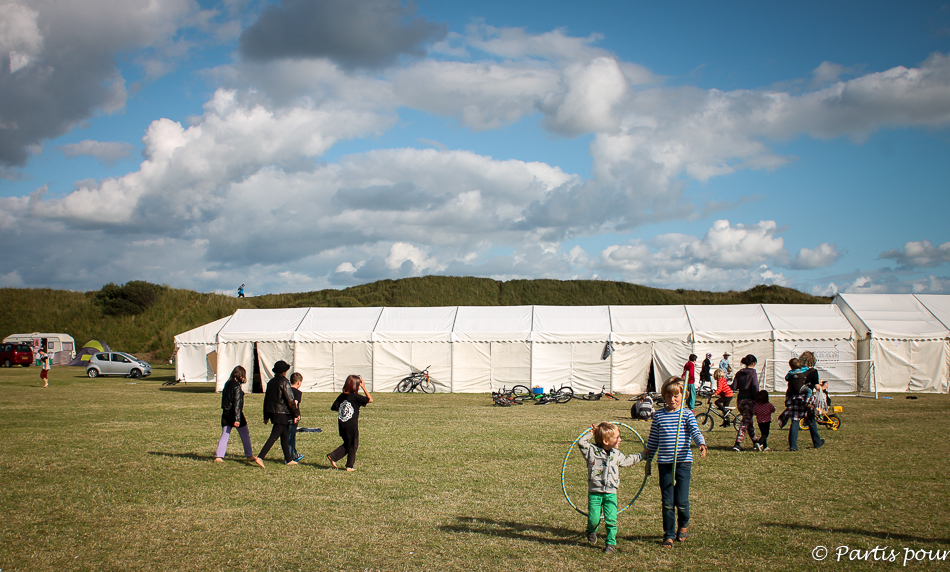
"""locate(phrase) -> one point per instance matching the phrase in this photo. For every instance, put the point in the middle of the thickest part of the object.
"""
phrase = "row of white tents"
(479, 348)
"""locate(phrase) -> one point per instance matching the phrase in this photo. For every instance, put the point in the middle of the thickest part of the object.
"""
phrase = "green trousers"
(606, 503)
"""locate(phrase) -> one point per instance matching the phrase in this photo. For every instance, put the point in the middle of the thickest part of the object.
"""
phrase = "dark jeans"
(674, 498)
(793, 433)
(764, 434)
(723, 402)
(278, 431)
(292, 440)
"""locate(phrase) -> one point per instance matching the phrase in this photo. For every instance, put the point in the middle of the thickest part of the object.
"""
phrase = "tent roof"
(415, 324)
(636, 323)
(493, 323)
(338, 324)
(206, 334)
(270, 325)
(729, 322)
(895, 316)
(808, 322)
(571, 323)
(938, 305)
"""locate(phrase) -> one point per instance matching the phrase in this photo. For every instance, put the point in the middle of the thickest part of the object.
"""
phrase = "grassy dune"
(107, 474)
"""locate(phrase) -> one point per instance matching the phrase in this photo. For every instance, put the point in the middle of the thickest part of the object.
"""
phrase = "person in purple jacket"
(746, 385)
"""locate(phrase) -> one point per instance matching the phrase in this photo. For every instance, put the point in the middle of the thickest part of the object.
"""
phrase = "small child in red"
(763, 411)
(723, 391)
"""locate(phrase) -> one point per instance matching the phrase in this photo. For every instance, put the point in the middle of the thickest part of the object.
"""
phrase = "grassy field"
(117, 474)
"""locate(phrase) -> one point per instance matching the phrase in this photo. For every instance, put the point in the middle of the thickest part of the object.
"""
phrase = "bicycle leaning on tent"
(419, 379)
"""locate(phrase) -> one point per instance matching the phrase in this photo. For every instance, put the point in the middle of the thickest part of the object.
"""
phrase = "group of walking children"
(669, 442)
(282, 399)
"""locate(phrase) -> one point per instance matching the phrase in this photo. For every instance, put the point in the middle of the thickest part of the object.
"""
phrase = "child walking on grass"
(603, 477)
(296, 380)
(763, 411)
(672, 429)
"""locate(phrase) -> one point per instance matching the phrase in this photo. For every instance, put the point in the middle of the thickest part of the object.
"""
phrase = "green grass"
(117, 474)
(150, 334)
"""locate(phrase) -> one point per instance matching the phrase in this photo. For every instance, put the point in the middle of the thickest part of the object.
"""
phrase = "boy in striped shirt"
(672, 429)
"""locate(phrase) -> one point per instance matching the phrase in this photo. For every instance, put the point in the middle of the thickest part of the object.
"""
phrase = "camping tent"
(196, 352)
(819, 328)
(645, 335)
(906, 341)
(91, 348)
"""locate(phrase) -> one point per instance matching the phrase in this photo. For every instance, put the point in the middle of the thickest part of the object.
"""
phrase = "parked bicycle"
(504, 398)
(713, 417)
(591, 396)
(522, 393)
(419, 379)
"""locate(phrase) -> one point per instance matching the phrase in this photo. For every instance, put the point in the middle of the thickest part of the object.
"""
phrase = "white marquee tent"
(478, 349)
(908, 344)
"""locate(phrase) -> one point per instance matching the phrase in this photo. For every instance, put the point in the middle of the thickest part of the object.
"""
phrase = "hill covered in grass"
(149, 329)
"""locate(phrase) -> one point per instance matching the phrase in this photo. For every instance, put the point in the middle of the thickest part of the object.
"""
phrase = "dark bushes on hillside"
(129, 300)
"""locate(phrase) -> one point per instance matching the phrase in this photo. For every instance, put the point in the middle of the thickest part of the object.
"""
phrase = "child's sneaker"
(765, 449)
(592, 537)
(737, 449)
(757, 447)
(610, 549)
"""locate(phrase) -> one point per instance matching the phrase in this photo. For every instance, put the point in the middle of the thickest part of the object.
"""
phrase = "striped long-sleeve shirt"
(663, 442)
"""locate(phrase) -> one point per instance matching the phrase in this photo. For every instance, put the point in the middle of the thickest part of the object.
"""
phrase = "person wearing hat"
(280, 409)
(705, 375)
(724, 365)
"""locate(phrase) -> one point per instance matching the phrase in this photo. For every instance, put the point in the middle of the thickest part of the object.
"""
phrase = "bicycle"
(591, 396)
(504, 398)
(419, 379)
(522, 393)
(707, 420)
(832, 421)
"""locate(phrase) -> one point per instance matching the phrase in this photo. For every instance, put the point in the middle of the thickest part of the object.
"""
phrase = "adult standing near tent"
(725, 366)
(746, 384)
(796, 406)
(241, 291)
(232, 415)
(280, 410)
(689, 374)
(348, 404)
(705, 374)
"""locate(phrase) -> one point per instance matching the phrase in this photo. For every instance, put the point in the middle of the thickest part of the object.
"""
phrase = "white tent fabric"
(270, 332)
(642, 335)
(477, 349)
(739, 329)
(332, 343)
(906, 341)
(567, 344)
(196, 355)
(818, 328)
(491, 347)
(408, 340)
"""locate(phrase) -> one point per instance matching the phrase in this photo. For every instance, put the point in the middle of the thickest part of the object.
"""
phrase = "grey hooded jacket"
(603, 467)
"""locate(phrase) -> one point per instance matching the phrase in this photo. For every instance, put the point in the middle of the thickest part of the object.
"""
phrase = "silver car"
(117, 363)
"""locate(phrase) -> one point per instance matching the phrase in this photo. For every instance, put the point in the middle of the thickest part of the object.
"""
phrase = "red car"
(12, 354)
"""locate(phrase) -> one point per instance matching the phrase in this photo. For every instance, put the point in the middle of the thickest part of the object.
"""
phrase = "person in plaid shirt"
(796, 405)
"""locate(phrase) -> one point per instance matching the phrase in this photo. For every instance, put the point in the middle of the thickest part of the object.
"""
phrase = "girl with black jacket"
(232, 415)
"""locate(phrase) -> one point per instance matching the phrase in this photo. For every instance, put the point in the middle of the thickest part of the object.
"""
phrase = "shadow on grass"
(516, 530)
(857, 531)
(192, 456)
(189, 388)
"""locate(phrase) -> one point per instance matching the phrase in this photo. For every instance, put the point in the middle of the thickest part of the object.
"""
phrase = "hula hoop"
(568, 456)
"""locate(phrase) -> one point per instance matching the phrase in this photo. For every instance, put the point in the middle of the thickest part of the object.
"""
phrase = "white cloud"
(825, 254)
(919, 254)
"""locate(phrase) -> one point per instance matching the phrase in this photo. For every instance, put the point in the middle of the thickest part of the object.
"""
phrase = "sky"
(297, 145)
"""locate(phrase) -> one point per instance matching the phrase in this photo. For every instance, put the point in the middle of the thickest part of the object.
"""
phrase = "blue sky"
(296, 145)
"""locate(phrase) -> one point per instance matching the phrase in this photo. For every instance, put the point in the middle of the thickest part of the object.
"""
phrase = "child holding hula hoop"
(603, 477)
(672, 429)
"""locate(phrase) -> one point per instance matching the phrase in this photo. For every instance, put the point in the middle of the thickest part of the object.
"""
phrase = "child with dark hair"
(296, 380)
(763, 411)
(348, 405)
